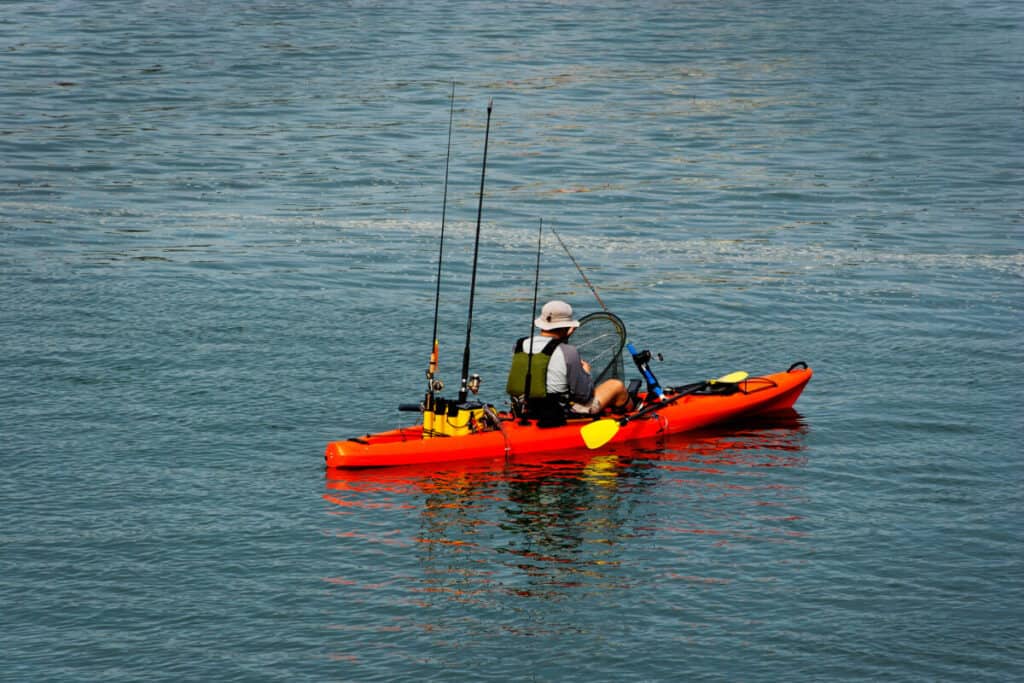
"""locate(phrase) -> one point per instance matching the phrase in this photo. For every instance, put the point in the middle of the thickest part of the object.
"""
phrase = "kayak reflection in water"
(548, 380)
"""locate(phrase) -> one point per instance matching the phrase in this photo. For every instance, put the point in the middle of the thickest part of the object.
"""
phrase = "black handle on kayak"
(798, 364)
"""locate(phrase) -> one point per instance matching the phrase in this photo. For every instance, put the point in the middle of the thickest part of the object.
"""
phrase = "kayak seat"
(545, 412)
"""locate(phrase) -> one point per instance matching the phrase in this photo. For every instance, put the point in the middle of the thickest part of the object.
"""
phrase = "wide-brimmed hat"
(555, 315)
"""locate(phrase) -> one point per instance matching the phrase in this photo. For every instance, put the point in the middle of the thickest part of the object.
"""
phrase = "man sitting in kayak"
(560, 381)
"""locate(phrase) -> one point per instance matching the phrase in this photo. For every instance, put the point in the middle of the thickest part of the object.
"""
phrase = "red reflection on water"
(566, 520)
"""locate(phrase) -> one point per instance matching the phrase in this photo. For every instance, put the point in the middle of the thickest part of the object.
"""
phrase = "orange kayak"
(409, 446)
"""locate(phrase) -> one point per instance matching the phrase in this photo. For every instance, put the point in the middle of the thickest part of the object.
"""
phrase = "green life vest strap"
(537, 368)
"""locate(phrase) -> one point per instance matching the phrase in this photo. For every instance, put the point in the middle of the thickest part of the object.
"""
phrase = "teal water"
(219, 229)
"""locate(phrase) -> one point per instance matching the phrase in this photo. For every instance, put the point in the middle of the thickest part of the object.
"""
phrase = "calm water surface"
(219, 228)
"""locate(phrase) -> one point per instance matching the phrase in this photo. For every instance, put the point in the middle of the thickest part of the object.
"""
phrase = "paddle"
(600, 432)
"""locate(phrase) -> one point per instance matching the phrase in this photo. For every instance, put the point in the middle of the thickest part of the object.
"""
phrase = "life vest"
(537, 369)
(547, 410)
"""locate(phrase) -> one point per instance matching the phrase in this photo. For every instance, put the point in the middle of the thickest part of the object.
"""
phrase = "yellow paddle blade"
(597, 434)
(731, 378)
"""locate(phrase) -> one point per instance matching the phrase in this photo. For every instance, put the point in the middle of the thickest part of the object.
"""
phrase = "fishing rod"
(641, 358)
(580, 270)
(464, 385)
(432, 365)
(533, 316)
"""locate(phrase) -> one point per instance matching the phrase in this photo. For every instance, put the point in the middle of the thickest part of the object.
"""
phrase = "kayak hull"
(406, 446)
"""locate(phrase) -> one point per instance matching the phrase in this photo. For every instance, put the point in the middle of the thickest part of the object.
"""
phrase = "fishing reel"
(473, 384)
(645, 357)
(436, 385)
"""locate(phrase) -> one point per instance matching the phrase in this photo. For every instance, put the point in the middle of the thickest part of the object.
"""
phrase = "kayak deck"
(407, 445)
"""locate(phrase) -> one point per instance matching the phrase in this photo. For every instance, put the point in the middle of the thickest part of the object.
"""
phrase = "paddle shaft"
(682, 391)
(691, 389)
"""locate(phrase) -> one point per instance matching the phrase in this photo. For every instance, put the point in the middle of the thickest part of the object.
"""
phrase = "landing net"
(600, 339)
